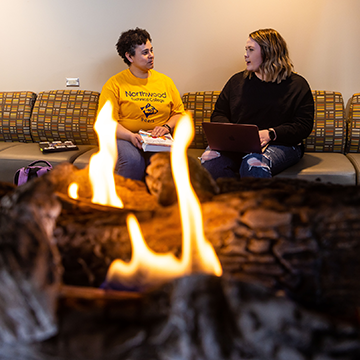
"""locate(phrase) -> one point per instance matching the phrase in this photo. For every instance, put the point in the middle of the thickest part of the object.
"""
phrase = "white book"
(156, 143)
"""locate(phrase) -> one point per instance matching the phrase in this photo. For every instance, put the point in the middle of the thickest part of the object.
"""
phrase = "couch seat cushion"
(82, 161)
(19, 154)
(355, 160)
(335, 168)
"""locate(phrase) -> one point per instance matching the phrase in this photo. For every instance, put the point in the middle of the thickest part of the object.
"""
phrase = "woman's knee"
(221, 167)
(255, 165)
(208, 155)
(130, 162)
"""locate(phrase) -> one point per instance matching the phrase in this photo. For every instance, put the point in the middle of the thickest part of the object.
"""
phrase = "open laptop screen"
(242, 138)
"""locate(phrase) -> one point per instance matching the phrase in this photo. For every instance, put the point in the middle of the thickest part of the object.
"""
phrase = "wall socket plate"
(72, 82)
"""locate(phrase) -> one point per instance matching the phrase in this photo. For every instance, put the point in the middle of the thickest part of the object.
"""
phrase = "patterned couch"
(27, 118)
(332, 149)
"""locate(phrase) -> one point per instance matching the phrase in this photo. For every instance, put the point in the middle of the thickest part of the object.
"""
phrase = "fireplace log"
(197, 317)
(134, 194)
(161, 184)
(299, 239)
(289, 234)
(294, 235)
(30, 265)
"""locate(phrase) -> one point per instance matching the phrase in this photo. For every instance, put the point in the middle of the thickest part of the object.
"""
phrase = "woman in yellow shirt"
(142, 99)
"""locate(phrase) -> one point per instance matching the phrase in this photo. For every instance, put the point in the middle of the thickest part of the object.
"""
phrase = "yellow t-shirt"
(141, 103)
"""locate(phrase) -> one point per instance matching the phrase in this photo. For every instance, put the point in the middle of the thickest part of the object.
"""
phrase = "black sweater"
(287, 107)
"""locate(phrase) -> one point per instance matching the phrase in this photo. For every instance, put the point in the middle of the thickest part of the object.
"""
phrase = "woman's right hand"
(125, 134)
(136, 140)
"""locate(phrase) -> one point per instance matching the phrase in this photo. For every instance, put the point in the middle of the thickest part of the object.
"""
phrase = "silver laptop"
(242, 138)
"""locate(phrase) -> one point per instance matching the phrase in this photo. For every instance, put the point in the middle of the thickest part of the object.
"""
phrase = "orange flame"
(73, 190)
(203, 256)
(148, 268)
(102, 163)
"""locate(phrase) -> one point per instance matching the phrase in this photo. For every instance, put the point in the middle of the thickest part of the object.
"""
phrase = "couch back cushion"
(353, 137)
(61, 115)
(15, 113)
(328, 134)
(329, 131)
(200, 104)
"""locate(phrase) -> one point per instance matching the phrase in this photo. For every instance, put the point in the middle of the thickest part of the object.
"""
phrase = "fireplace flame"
(102, 164)
(73, 190)
(147, 268)
(203, 257)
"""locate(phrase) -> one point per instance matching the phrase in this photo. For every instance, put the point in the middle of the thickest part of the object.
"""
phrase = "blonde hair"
(276, 64)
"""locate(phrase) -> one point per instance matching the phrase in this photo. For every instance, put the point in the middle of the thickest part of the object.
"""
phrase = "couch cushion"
(61, 115)
(353, 137)
(355, 160)
(15, 113)
(324, 159)
(328, 134)
(82, 161)
(324, 167)
(329, 130)
(200, 104)
(19, 154)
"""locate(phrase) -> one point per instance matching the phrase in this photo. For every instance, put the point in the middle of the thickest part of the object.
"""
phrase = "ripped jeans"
(275, 159)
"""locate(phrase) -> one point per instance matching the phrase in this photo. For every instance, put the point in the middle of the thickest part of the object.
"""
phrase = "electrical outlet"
(72, 82)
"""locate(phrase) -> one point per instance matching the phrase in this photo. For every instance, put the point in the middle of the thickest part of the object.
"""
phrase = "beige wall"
(198, 43)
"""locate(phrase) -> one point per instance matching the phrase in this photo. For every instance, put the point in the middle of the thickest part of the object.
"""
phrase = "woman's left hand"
(159, 131)
(264, 137)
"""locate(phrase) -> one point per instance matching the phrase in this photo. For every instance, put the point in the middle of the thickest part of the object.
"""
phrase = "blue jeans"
(275, 159)
(131, 162)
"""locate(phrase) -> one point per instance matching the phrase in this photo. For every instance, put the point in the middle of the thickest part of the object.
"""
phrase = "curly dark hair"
(129, 40)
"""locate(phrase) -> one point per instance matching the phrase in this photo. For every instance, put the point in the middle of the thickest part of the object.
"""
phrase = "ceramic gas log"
(297, 236)
(296, 239)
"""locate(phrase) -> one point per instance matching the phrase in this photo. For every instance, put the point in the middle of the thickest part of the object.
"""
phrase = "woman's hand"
(125, 134)
(136, 140)
(159, 131)
(264, 137)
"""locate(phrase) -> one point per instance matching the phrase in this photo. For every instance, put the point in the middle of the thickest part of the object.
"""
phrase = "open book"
(156, 144)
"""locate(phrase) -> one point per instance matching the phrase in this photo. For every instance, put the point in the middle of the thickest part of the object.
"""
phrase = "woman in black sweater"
(270, 95)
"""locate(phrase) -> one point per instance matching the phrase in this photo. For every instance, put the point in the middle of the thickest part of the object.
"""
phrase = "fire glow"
(198, 255)
(102, 164)
(147, 268)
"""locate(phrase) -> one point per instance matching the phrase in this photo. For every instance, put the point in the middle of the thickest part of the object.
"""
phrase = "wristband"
(272, 134)
(168, 127)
